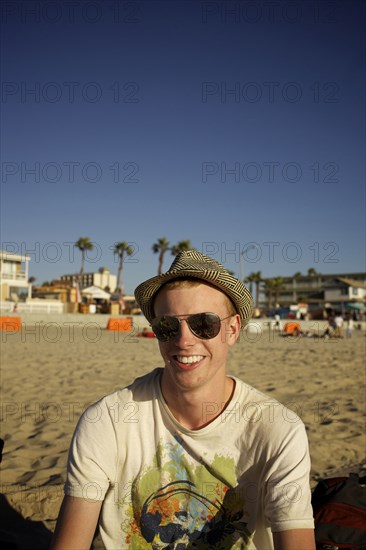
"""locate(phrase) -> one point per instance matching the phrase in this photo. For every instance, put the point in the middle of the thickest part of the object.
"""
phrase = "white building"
(102, 278)
(350, 290)
(14, 285)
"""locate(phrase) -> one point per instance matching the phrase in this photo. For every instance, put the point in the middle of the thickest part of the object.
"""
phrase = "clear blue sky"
(226, 123)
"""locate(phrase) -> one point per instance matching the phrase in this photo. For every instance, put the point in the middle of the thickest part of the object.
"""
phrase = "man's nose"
(185, 335)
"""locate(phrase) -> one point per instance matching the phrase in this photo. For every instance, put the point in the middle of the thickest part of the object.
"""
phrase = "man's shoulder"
(142, 389)
(258, 407)
(249, 393)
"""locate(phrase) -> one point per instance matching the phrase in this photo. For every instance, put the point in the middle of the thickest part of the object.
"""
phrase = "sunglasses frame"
(187, 318)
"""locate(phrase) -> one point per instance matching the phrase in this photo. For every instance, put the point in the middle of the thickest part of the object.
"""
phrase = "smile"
(189, 359)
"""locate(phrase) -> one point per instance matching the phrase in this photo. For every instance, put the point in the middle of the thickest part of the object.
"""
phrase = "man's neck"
(194, 409)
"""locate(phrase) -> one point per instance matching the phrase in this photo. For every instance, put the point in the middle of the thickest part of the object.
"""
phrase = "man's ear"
(233, 329)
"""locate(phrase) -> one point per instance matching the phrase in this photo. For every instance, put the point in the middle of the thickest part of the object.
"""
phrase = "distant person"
(349, 327)
(338, 320)
(330, 329)
(277, 318)
(332, 323)
(146, 333)
(188, 456)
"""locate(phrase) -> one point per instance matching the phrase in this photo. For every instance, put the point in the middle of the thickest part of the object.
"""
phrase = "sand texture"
(48, 378)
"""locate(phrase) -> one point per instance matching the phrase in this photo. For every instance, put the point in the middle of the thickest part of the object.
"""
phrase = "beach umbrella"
(356, 305)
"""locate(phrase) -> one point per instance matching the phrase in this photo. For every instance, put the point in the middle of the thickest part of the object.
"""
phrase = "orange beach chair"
(292, 329)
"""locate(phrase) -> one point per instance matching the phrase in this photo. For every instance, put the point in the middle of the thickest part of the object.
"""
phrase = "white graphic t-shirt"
(226, 485)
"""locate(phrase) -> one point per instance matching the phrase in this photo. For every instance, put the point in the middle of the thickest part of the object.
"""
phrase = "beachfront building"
(14, 285)
(346, 290)
(57, 290)
(102, 278)
(320, 291)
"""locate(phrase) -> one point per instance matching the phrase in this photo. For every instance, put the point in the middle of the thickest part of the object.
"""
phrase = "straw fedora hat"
(193, 264)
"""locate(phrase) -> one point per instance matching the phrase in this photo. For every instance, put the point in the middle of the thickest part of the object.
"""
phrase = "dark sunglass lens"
(205, 325)
(165, 328)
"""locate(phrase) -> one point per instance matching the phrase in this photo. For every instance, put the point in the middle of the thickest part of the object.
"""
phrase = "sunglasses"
(202, 325)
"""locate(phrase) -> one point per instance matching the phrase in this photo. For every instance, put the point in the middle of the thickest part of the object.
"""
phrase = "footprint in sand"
(326, 421)
(48, 462)
(27, 476)
(345, 420)
(33, 435)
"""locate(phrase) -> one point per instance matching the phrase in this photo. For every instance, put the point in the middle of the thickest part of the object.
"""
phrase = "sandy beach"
(49, 377)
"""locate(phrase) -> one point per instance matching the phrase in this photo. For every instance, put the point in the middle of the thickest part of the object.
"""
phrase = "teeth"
(190, 359)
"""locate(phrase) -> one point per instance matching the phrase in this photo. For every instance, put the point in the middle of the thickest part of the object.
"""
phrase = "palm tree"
(277, 286)
(121, 249)
(269, 285)
(161, 246)
(181, 246)
(312, 272)
(83, 244)
(256, 278)
(249, 280)
(273, 286)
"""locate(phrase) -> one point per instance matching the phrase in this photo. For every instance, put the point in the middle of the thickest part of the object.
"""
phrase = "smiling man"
(204, 460)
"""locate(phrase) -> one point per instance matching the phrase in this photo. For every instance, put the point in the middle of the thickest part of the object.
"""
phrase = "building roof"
(326, 276)
(4, 255)
(352, 282)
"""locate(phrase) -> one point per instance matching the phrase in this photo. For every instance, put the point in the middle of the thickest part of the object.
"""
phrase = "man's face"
(190, 362)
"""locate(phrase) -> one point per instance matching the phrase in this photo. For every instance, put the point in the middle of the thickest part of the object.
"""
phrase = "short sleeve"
(91, 466)
(287, 500)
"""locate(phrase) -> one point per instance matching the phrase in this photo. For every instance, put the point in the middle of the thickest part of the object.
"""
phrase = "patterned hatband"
(193, 264)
